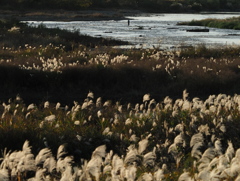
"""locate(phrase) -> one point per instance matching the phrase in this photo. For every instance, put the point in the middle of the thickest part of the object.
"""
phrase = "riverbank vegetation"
(93, 112)
(228, 23)
(57, 65)
(153, 5)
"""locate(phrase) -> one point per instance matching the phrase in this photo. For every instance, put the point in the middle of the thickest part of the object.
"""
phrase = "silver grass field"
(127, 115)
(184, 140)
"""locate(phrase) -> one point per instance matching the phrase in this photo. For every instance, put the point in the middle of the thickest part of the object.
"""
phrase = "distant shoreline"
(64, 15)
(81, 15)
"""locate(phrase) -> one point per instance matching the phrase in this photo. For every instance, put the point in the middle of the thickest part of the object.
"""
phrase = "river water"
(154, 30)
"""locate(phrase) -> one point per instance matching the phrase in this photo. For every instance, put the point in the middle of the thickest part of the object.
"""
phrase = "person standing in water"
(128, 22)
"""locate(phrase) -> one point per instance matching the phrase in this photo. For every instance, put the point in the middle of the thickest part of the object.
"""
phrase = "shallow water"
(154, 30)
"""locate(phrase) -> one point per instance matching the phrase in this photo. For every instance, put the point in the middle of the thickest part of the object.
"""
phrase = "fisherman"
(128, 22)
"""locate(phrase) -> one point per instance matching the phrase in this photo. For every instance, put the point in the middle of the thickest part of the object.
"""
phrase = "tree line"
(150, 5)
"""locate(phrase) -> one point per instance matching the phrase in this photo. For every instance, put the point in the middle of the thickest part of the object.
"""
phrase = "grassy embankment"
(53, 65)
(228, 23)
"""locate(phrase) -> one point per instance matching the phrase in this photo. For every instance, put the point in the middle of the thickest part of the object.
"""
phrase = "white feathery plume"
(131, 155)
(179, 128)
(117, 164)
(213, 163)
(15, 158)
(122, 174)
(107, 131)
(204, 129)
(160, 173)
(28, 163)
(186, 105)
(68, 160)
(63, 163)
(218, 146)
(149, 158)
(134, 138)
(85, 105)
(214, 175)
(128, 121)
(39, 175)
(203, 164)
(5, 159)
(26, 148)
(142, 145)
(4, 176)
(42, 156)
(107, 169)
(129, 107)
(196, 138)
(108, 158)
(146, 177)
(185, 176)
(185, 95)
(93, 167)
(46, 104)
(195, 152)
(226, 174)
(222, 164)
(99, 114)
(100, 152)
(235, 167)
(58, 105)
(10, 160)
(152, 104)
(237, 154)
(179, 140)
(31, 107)
(229, 153)
(141, 108)
(120, 108)
(203, 175)
(222, 128)
(146, 97)
(213, 138)
(196, 103)
(90, 95)
(99, 102)
(67, 174)
(50, 164)
(167, 100)
(107, 104)
(209, 153)
(176, 153)
(61, 151)
(130, 173)
(50, 118)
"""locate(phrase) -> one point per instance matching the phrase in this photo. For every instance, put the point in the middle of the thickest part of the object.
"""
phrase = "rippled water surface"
(155, 30)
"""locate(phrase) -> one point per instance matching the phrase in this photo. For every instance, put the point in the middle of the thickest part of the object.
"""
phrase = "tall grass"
(228, 23)
(103, 113)
(172, 137)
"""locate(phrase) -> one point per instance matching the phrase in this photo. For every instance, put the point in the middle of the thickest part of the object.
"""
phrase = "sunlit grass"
(136, 124)
(228, 23)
